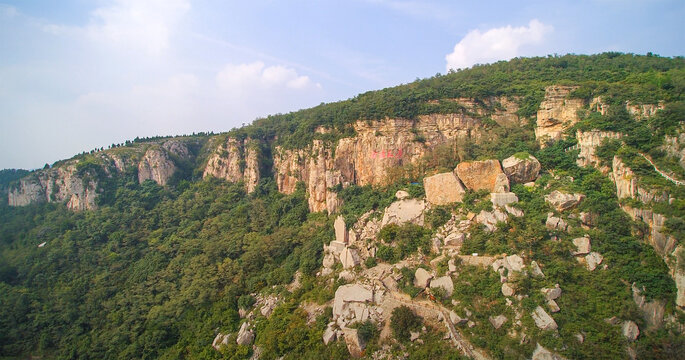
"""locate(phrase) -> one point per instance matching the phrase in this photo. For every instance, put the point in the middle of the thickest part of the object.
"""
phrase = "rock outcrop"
(156, 165)
(588, 141)
(479, 175)
(563, 201)
(59, 184)
(404, 211)
(543, 320)
(521, 169)
(443, 189)
(557, 112)
(235, 160)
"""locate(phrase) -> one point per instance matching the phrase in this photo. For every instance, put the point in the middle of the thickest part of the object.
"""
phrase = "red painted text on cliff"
(386, 154)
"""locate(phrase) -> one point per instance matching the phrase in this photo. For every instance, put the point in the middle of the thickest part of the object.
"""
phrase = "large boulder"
(630, 330)
(443, 189)
(592, 260)
(491, 218)
(245, 335)
(652, 311)
(555, 223)
(404, 211)
(479, 175)
(355, 303)
(582, 245)
(563, 201)
(422, 278)
(503, 198)
(543, 320)
(521, 168)
(552, 293)
(355, 344)
(349, 258)
(444, 282)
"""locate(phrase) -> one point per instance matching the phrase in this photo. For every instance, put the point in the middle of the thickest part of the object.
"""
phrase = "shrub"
(403, 321)
(245, 301)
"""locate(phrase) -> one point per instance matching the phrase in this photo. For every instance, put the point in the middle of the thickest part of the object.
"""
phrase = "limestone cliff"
(557, 112)
(56, 185)
(588, 141)
(156, 165)
(235, 160)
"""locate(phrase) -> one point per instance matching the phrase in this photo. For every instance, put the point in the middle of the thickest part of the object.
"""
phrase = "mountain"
(525, 209)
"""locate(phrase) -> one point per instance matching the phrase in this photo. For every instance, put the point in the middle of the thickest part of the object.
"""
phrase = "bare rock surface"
(404, 211)
(422, 278)
(443, 189)
(479, 175)
(444, 282)
(543, 320)
(521, 170)
(562, 201)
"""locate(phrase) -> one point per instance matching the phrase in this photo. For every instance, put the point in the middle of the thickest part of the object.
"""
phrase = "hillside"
(526, 209)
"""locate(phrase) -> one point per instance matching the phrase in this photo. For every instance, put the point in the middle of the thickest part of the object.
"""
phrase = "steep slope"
(510, 206)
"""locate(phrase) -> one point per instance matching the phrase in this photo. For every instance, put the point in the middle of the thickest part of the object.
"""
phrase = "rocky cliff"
(557, 112)
(56, 185)
(235, 160)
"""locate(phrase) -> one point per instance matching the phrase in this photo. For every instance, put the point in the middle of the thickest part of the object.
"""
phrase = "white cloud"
(496, 44)
(142, 24)
(256, 76)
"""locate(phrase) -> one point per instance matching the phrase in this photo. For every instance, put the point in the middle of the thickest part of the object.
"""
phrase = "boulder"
(553, 306)
(543, 320)
(355, 345)
(329, 334)
(541, 353)
(351, 293)
(414, 335)
(563, 201)
(552, 293)
(513, 211)
(454, 239)
(521, 169)
(401, 195)
(456, 319)
(219, 340)
(444, 282)
(501, 184)
(582, 245)
(491, 218)
(404, 211)
(422, 278)
(588, 219)
(443, 189)
(630, 330)
(507, 290)
(328, 260)
(592, 260)
(335, 247)
(350, 258)
(513, 263)
(555, 223)
(245, 335)
(479, 175)
(503, 198)
(535, 269)
(340, 230)
(497, 321)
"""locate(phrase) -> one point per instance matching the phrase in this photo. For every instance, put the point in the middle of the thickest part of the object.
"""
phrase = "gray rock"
(513, 210)
(507, 290)
(497, 321)
(491, 218)
(501, 184)
(503, 198)
(414, 335)
(422, 278)
(219, 340)
(349, 294)
(555, 223)
(401, 195)
(340, 230)
(652, 311)
(455, 239)
(329, 334)
(355, 345)
(444, 282)
(580, 338)
(563, 201)
(350, 258)
(543, 320)
(582, 245)
(456, 319)
(245, 335)
(329, 260)
(630, 330)
(552, 293)
(535, 269)
(513, 263)
(521, 170)
(553, 306)
(541, 353)
(404, 211)
(592, 260)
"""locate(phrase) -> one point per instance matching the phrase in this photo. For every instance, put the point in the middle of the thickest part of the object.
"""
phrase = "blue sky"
(80, 74)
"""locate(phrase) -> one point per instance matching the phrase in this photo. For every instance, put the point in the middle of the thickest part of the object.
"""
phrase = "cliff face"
(56, 185)
(365, 158)
(588, 142)
(234, 161)
(157, 163)
(557, 112)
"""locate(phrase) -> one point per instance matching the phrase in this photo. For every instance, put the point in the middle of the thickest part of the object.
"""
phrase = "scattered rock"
(552, 293)
(543, 320)
(454, 239)
(491, 218)
(479, 175)
(414, 335)
(497, 321)
(507, 290)
(443, 189)
(401, 195)
(541, 353)
(349, 258)
(563, 201)
(582, 245)
(422, 278)
(346, 275)
(613, 320)
(521, 170)
(592, 260)
(329, 334)
(347, 296)
(270, 303)
(513, 263)
(328, 260)
(588, 219)
(245, 335)
(555, 223)
(580, 338)
(501, 184)
(355, 345)
(503, 198)
(553, 306)
(451, 266)
(220, 340)
(404, 211)
(456, 319)
(535, 269)
(630, 330)
(340, 230)
(529, 184)
(513, 210)
(444, 282)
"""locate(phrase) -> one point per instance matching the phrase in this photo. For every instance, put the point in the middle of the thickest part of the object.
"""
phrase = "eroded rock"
(422, 278)
(443, 189)
(479, 175)
(563, 201)
(543, 320)
(521, 169)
